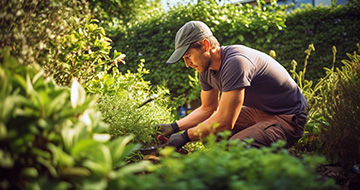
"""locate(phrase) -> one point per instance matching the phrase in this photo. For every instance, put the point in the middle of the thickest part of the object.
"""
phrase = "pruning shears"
(163, 139)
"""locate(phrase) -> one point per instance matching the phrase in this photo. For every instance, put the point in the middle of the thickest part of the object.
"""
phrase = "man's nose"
(187, 62)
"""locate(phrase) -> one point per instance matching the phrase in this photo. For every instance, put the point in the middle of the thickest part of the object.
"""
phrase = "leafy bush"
(342, 113)
(53, 138)
(130, 106)
(233, 165)
(80, 54)
(332, 128)
(58, 34)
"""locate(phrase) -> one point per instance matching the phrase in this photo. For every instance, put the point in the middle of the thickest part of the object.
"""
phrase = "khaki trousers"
(267, 128)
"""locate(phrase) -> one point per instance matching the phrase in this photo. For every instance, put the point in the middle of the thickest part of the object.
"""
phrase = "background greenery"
(263, 27)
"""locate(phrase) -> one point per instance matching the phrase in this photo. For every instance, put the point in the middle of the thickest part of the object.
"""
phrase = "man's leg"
(265, 128)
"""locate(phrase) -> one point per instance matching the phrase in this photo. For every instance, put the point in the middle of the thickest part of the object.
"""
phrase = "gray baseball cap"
(191, 32)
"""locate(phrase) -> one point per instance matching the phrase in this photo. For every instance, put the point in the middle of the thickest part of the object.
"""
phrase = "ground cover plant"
(233, 165)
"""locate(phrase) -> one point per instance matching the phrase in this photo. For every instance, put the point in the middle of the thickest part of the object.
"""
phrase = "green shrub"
(58, 34)
(332, 128)
(80, 54)
(234, 165)
(121, 103)
(341, 110)
(52, 137)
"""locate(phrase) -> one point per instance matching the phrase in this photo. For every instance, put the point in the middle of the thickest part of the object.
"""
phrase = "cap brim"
(177, 54)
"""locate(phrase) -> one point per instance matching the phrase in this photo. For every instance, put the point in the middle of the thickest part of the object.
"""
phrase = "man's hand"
(178, 140)
(168, 129)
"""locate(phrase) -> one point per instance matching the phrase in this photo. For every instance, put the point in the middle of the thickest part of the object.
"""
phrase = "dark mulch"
(347, 180)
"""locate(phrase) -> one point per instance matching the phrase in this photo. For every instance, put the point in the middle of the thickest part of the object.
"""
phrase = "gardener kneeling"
(259, 99)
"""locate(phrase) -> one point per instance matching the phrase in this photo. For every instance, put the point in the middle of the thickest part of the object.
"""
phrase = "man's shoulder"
(234, 50)
(233, 54)
(231, 48)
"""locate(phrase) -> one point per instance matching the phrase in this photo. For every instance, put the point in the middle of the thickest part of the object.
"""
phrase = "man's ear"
(206, 44)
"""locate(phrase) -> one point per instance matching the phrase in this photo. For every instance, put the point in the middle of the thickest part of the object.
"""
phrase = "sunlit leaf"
(101, 137)
(77, 94)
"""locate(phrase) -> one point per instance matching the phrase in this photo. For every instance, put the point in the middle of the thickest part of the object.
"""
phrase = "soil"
(347, 180)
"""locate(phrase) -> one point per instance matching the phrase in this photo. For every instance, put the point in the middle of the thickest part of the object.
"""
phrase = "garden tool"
(164, 140)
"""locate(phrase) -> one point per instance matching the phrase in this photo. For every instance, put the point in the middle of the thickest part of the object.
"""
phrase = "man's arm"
(209, 104)
(228, 111)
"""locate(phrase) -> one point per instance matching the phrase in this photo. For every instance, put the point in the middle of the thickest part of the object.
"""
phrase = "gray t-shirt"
(268, 86)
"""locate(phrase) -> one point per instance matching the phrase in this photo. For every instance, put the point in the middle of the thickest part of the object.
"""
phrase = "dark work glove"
(178, 140)
(168, 129)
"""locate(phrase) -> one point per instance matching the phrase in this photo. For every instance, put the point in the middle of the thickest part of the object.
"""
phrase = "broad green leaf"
(95, 184)
(130, 169)
(77, 94)
(39, 75)
(71, 172)
(56, 103)
(30, 172)
(118, 145)
(3, 130)
(29, 86)
(83, 147)
(99, 137)
(10, 104)
(97, 168)
(60, 157)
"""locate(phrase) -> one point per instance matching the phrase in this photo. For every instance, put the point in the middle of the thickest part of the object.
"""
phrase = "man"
(258, 100)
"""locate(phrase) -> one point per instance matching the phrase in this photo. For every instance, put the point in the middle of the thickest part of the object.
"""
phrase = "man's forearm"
(194, 118)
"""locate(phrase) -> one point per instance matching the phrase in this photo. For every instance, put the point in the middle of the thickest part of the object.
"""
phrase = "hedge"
(263, 27)
(324, 27)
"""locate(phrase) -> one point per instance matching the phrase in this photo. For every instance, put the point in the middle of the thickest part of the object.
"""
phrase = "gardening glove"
(178, 140)
(169, 129)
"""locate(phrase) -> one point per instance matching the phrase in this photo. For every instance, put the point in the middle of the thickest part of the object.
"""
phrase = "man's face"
(197, 58)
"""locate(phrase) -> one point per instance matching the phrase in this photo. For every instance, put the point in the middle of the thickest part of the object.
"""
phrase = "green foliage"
(332, 128)
(153, 39)
(196, 87)
(121, 102)
(263, 27)
(79, 54)
(323, 26)
(233, 165)
(59, 35)
(310, 92)
(28, 26)
(53, 137)
(341, 110)
(123, 11)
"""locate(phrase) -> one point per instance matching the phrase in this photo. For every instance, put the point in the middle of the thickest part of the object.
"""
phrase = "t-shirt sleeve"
(204, 85)
(238, 72)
